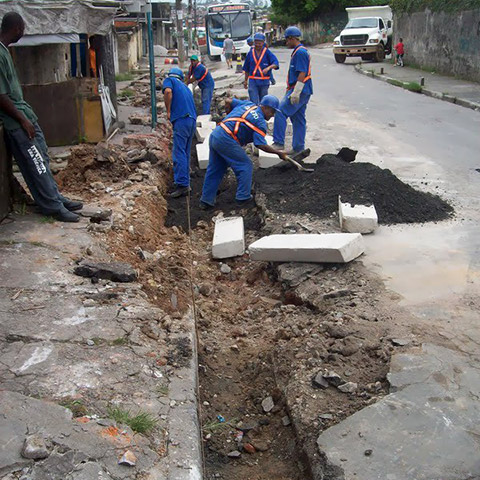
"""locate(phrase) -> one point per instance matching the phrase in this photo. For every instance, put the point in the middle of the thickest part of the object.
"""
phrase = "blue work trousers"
(256, 92)
(296, 113)
(183, 131)
(207, 94)
(226, 152)
(34, 164)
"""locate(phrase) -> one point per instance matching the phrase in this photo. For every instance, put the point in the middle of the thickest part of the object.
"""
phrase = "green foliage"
(450, 6)
(412, 86)
(288, 12)
(142, 422)
(123, 77)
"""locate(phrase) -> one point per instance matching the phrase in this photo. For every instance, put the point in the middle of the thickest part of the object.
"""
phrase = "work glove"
(295, 96)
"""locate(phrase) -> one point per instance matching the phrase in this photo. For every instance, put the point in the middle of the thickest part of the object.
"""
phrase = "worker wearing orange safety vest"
(198, 72)
(299, 91)
(259, 63)
(246, 123)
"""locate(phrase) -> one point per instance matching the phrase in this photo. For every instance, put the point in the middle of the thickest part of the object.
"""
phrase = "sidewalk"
(92, 370)
(450, 89)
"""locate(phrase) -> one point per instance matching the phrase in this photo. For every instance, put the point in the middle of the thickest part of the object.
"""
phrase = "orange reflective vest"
(258, 68)
(190, 73)
(240, 120)
(309, 74)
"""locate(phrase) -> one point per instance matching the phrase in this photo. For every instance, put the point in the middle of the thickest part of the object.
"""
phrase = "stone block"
(228, 238)
(357, 219)
(202, 133)
(321, 248)
(201, 119)
(203, 152)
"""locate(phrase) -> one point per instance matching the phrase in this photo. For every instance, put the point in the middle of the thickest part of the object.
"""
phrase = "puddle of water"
(425, 262)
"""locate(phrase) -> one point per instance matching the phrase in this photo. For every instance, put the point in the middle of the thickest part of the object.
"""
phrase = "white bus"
(232, 19)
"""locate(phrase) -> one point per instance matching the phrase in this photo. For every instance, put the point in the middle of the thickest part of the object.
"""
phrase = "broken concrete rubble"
(323, 248)
(228, 238)
(115, 271)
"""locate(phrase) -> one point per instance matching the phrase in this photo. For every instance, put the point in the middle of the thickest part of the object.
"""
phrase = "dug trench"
(267, 333)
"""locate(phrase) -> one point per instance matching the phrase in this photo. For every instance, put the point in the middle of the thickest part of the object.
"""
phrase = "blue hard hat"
(250, 40)
(270, 101)
(176, 72)
(259, 36)
(293, 32)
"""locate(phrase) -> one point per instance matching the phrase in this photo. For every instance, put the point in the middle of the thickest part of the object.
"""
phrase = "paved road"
(435, 268)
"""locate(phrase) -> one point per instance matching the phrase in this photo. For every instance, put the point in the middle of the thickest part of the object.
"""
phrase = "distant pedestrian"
(400, 49)
(228, 50)
(183, 116)
(24, 135)
(198, 72)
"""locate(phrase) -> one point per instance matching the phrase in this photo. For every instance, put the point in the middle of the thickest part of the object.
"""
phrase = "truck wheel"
(366, 57)
(340, 58)
(380, 53)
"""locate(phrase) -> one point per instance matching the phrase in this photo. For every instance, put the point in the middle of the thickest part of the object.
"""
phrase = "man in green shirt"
(25, 136)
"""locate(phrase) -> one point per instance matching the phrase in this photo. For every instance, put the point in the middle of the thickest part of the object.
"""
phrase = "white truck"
(368, 34)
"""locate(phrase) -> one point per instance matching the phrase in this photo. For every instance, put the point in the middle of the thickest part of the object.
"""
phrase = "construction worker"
(182, 114)
(259, 62)
(24, 135)
(299, 91)
(246, 123)
(198, 72)
(250, 41)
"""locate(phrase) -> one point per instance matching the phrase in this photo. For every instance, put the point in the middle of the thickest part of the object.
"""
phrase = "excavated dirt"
(290, 191)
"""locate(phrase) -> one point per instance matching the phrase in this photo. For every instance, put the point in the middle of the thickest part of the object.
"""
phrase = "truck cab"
(368, 34)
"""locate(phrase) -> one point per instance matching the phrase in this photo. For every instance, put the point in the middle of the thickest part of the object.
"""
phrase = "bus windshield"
(237, 25)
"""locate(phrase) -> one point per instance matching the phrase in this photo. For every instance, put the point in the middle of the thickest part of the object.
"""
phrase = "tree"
(291, 11)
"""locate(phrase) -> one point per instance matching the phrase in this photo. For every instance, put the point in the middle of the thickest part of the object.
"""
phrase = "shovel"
(299, 167)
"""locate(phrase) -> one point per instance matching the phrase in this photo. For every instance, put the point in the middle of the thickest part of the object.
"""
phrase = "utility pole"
(151, 61)
(195, 20)
(181, 48)
(190, 29)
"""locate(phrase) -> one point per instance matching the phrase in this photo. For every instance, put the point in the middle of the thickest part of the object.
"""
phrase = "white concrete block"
(202, 133)
(267, 160)
(357, 219)
(322, 248)
(228, 238)
(203, 152)
(210, 125)
(203, 118)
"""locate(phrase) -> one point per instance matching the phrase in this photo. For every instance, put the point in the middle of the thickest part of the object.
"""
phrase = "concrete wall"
(5, 173)
(448, 43)
(43, 64)
(129, 49)
(323, 29)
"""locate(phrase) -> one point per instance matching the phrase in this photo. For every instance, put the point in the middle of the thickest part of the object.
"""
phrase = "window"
(362, 23)
(241, 26)
(382, 26)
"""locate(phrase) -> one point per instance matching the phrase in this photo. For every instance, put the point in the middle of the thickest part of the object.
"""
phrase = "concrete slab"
(357, 219)
(203, 153)
(202, 119)
(201, 133)
(267, 160)
(228, 238)
(427, 429)
(323, 248)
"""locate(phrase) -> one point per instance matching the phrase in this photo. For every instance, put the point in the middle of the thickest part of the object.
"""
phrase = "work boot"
(205, 206)
(248, 203)
(72, 205)
(66, 216)
(278, 146)
(180, 192)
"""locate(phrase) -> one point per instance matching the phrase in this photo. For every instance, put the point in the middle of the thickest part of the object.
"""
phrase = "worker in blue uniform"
(183, 116)
(246, 123)
(259, 62)
(299, 91)
(198, 72)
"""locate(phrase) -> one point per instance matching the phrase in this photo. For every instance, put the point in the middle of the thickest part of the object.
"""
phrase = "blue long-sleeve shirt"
(250, 63)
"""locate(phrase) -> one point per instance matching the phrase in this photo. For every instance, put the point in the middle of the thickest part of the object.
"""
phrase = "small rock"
(206, 289)
(349, 387)
(35, 448)
(249, 448)
(326, 416)
(400, 342)
(224, 268)
(333, 378)
(319, 382)
(131, 230)
(128, 458)
(235, 348)
(90, 343)
(260, 445)
(268, 404)
(234, 454)
(286, 421)
(368, 452)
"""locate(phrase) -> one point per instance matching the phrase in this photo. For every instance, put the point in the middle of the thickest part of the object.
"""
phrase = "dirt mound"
(289, 191)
